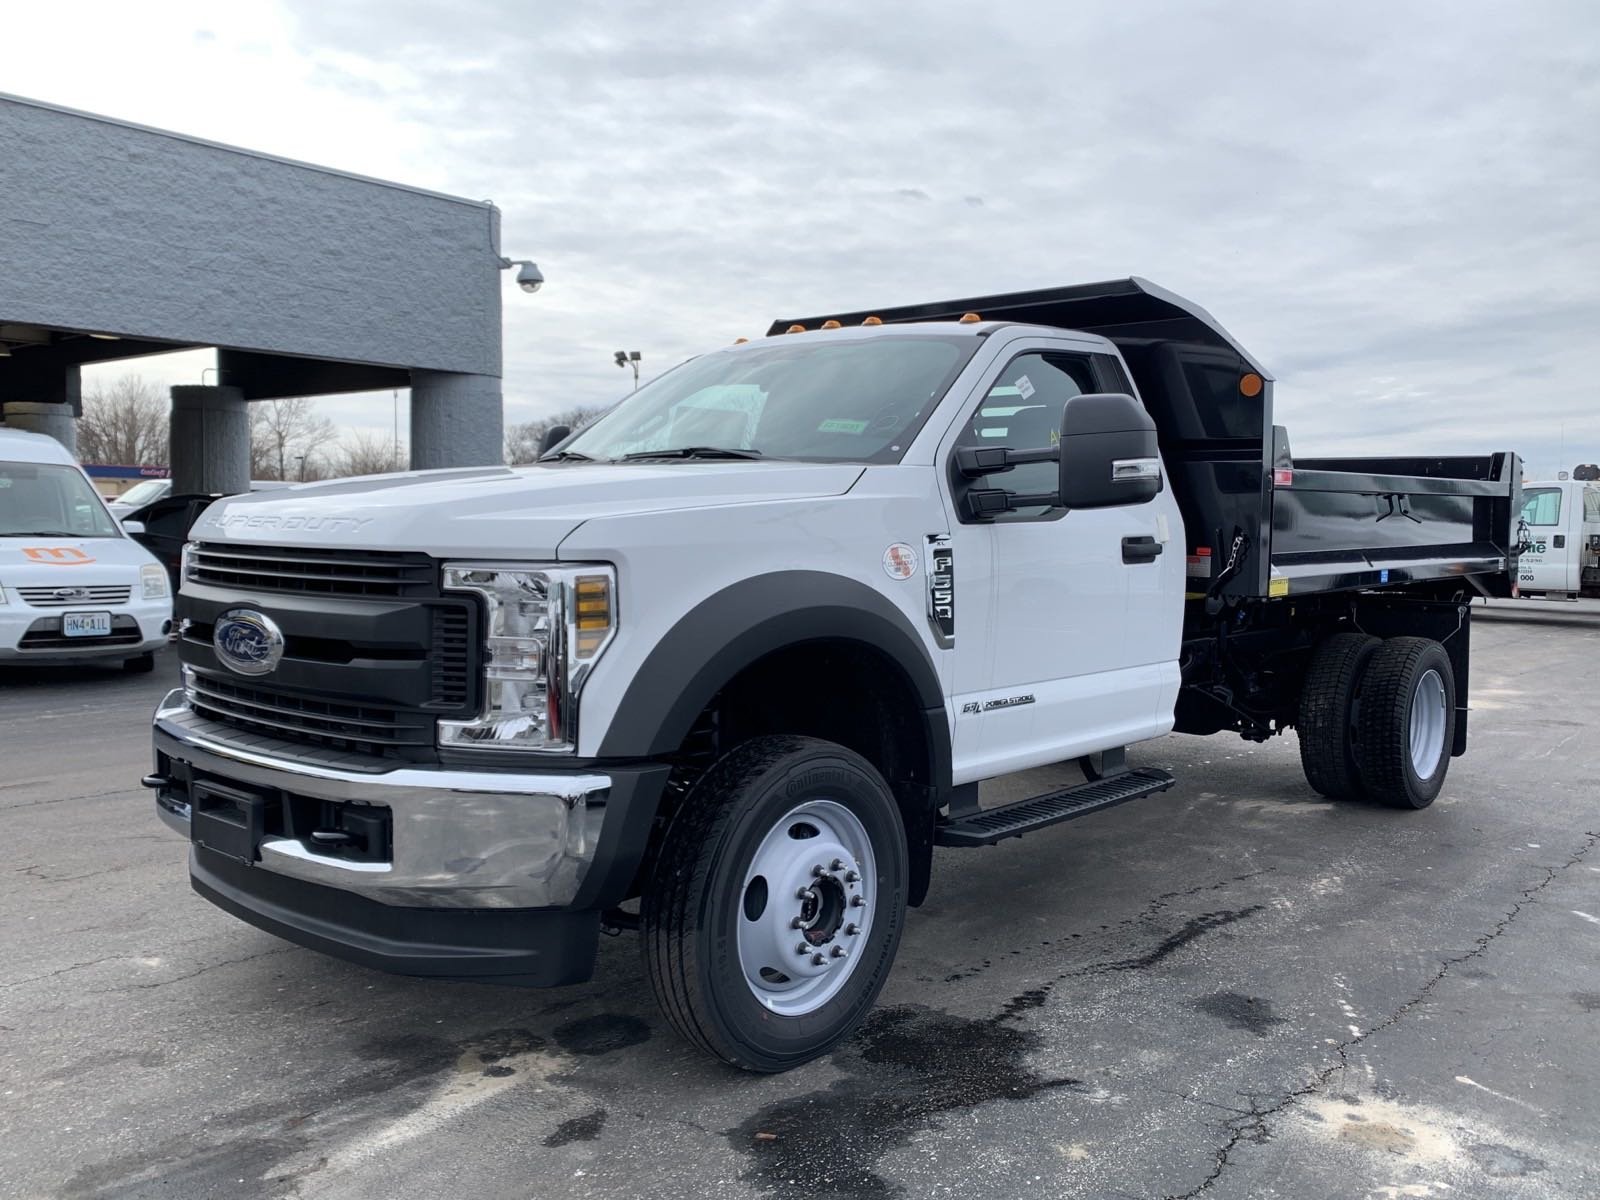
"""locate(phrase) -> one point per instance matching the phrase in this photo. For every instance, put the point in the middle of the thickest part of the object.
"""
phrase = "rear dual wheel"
(775, 906)
(1377, 719)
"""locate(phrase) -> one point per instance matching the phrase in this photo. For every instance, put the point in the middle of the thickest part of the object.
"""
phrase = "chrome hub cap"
(1428, 720)
(805, 912)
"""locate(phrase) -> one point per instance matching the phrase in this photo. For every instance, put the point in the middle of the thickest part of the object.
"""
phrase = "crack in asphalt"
(132, 789)
(227, 962)
(1253, 1126)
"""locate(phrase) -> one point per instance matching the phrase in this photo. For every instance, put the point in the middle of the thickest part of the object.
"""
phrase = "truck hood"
(71, 561)
(502, 511)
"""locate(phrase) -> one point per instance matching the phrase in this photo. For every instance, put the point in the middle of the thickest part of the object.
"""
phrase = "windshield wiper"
(691, 452)
(566, 456)
(50, 533)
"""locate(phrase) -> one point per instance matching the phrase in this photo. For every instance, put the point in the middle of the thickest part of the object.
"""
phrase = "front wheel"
(775, 906)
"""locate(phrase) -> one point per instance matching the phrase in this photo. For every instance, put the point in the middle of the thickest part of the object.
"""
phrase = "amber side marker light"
(1250, 385)
(969, 319)
(594, 617)
(831, 325)
(873, 321)
(795, 329)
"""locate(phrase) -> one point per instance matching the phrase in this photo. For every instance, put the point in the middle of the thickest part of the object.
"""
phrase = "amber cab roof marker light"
(830, 324)
(969, 319)
(795, 329)
(873, 321)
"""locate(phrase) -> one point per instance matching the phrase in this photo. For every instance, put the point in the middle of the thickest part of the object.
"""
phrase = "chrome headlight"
(153, 579)
(546, 627)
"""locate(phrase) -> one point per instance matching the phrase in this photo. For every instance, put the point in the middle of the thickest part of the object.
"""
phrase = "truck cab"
(1559, 527)
(727, 665)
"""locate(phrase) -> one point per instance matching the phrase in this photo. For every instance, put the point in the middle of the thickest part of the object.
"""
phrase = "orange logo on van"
(62, 556)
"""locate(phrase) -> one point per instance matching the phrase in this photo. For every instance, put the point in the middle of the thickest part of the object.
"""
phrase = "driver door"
(1079, 651)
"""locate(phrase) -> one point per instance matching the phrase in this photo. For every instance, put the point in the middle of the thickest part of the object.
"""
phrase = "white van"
(73, 585)
(1560, 533)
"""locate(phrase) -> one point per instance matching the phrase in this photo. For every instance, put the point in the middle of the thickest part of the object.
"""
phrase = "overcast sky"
(1395, 206)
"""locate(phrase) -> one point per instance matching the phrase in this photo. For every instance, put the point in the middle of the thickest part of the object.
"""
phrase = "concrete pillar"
(55, 419)
(456, 420)
(210, 439)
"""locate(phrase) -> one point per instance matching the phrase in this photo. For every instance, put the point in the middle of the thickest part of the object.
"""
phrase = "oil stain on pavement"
(907, 1066)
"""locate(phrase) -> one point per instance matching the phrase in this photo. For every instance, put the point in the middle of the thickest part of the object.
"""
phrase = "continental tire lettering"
(818, 777)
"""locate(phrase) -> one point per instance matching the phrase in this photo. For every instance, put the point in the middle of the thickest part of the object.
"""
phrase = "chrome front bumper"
(461, 839)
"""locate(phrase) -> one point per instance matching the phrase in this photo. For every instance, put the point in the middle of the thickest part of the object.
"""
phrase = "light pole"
(629, 358)
(301, 459)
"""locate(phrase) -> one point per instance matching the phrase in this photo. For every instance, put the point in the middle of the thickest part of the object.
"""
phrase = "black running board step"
(1013, 820)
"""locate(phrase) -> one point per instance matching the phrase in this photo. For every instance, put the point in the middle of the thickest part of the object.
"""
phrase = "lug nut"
(852, 929)
(839, 952)
(851, 877)
(857, 901)
(818, 871)
(836, 865)
(805, 894)
(797, 923)
(817, 960)
(803, 949)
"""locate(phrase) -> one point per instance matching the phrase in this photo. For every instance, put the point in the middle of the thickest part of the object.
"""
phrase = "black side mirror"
(553, 437)
(1108, 452)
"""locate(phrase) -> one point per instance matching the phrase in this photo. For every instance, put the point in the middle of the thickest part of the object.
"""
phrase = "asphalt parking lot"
(1235, 989)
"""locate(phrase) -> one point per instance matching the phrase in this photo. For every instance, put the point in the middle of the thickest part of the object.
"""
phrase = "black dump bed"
(1261, 524)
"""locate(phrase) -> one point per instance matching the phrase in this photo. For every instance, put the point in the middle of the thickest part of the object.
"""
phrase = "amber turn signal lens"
(1250, 385)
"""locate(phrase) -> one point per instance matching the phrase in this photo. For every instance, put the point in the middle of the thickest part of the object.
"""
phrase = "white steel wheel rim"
(805, 908)
(1428, 713)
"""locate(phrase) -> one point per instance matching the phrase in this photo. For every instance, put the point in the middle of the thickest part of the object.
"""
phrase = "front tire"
(776, 902)
(1407, 721)
(142, 665)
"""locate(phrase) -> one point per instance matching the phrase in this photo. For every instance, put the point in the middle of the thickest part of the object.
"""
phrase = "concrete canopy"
(307, 280)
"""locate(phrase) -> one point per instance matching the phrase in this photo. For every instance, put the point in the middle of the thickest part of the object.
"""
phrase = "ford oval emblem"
(247, 641)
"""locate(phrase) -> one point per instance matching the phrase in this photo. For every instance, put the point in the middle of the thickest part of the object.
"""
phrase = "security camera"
(622, 358)
(529, 277)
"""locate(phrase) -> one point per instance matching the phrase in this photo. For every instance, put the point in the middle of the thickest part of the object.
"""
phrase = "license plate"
(86, 624)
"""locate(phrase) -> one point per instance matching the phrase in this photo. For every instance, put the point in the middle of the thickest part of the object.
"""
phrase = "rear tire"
(1407, 722)
(1327, 713)
(142, 665)
(718, 920)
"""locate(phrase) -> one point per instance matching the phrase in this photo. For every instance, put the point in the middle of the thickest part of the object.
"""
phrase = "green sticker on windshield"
(835, 425)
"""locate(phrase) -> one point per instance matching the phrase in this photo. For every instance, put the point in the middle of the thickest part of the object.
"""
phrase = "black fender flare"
(744, 622)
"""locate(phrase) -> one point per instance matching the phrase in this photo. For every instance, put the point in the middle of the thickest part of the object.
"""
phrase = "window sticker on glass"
(839, 425)
(1024, 387)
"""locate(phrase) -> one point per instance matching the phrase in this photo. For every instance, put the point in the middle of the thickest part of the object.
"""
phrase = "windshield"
(143, 492)
(48, 500)
(852, 400)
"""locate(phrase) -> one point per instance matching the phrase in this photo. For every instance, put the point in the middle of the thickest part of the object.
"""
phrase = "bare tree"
(286, 439)
(124, 424)
(523, 439)
(362, 453)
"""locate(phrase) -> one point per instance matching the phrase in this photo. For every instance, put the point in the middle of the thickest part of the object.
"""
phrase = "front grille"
(45, 634)
(312, 571)
(452, 654)
(49, 597)
(361, 728)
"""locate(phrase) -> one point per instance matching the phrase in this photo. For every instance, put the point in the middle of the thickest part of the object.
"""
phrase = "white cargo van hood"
(502, 512)
(71, 562)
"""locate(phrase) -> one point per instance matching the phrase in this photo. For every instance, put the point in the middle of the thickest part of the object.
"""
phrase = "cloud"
(1391, 206)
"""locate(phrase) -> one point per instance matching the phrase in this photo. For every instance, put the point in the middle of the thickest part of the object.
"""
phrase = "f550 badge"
(942, 589)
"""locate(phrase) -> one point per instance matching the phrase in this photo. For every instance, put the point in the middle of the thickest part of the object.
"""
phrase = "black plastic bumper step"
(992, 825)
